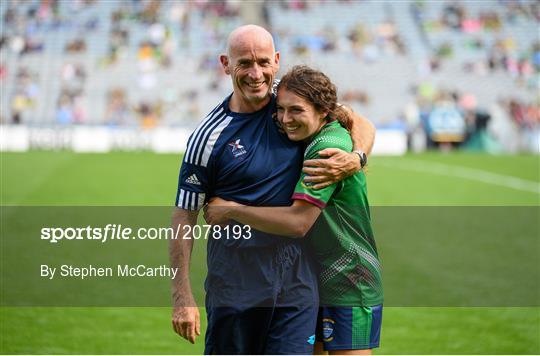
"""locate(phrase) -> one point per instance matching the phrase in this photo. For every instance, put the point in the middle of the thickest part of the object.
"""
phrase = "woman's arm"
(290, 221)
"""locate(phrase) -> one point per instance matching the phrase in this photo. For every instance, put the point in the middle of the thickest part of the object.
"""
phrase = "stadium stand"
(457, 73)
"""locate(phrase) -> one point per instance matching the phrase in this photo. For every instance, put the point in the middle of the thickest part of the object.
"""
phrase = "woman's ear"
(324, 115)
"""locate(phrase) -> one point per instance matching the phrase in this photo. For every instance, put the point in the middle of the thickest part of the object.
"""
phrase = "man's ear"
(276, 61)
(224, 60)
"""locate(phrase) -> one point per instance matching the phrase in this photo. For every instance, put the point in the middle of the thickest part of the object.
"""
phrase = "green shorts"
(349, 328)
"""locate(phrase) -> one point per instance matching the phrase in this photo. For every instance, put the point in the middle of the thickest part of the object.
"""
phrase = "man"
(262, 294)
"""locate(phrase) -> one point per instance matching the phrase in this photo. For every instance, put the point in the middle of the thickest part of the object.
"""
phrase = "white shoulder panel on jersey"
(212, 139)
(200, 140)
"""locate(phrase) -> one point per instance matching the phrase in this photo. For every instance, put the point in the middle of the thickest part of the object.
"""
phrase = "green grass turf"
(63, 178)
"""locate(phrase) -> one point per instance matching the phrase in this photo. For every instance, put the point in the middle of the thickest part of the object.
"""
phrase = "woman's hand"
(218, 211)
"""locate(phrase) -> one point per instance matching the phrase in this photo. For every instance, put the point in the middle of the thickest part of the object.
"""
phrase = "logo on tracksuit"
(328, 329)
(192, 179)
(236, 148)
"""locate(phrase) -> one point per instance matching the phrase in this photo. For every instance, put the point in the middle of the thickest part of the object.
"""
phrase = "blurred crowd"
(483, 35)
(157, 38)
(452, 118)
(526, 115)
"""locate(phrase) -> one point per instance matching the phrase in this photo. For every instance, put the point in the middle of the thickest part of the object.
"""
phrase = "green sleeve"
(303, 191)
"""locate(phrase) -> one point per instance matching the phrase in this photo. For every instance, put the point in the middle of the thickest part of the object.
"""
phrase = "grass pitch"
(63, 178)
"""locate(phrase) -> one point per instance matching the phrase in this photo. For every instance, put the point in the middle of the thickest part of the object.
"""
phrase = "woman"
(336, 218)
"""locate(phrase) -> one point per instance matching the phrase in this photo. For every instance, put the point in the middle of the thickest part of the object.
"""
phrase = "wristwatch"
(363, 157)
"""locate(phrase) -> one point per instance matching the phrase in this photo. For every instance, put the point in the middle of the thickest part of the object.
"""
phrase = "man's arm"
(186, 320)
(362, 132)
(340, 164)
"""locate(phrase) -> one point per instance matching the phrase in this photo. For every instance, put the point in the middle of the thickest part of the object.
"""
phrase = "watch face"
(363, 159)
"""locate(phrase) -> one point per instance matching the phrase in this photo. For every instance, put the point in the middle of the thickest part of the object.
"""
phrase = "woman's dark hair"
(317, 89)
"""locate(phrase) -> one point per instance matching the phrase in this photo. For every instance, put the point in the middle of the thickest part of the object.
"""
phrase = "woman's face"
(298, 117)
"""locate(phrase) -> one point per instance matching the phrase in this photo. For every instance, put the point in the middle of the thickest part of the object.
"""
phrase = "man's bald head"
(249, 34)
(252, 62)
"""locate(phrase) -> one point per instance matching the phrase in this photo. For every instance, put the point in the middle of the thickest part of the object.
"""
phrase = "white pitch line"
(466, 173)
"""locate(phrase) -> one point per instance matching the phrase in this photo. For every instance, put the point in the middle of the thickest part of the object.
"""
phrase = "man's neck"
(241, 106)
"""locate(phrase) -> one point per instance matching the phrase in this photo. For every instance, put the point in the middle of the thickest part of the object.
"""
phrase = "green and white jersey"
(342, 238)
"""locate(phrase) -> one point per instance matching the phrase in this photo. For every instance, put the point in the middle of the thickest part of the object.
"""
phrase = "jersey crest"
(237, 149)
